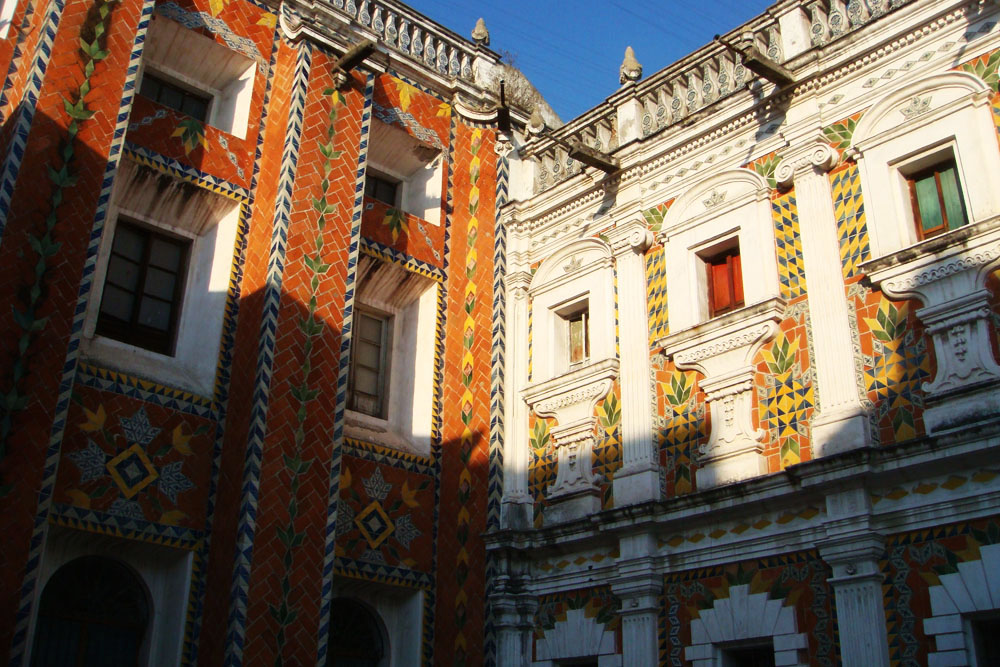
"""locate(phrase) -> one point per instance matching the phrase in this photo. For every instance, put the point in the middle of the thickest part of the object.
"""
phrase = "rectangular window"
(381, 188)
(143, 287)
(369, 364)
(176, 97)
(936, 197)
(725, 282)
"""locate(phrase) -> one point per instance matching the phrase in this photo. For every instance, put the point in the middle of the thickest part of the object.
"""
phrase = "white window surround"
(417, 167)
(928, 117)
(412, 301)
(165, 572)
(577, 637)
(202, 64)
(581, 271)
(745, 616)
(731, 204)
(973, 589)
(210, 221)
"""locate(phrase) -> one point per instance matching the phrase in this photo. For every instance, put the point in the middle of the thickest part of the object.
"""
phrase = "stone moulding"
(947, 274)
(723, 350)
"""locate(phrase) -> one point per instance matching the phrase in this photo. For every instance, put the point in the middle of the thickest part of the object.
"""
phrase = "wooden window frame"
(382, 372)
(583, 316)
(132, 332)
(165, 82)
(733, 273)
(934, 171)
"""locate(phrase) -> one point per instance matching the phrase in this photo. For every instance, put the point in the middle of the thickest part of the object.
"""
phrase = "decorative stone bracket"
(571, 398)
(723, 349)
(948, 275)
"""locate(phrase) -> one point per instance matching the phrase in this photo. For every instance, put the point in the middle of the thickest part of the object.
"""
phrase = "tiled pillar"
(841, 422)
(516, 500)
(638, 480)
(853, 550)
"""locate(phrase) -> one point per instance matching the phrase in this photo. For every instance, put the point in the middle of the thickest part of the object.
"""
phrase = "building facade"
(756, 419)
(208, 206)
(310, 356)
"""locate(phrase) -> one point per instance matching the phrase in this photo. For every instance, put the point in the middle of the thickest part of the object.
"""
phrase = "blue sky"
(571, 50)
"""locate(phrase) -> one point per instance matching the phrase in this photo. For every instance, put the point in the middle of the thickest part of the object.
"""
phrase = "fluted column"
(841, 422)
(638, 480)
(853, 549)
(639, 590)
(516, 500)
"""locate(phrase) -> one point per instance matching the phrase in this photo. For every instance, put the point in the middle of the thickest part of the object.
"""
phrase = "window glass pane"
(952, 195)
(370, 328)
(369, 355)
(195, 107)
(129, 242)
(577, 339)
(149, 87)
(171, 97)
(365, 381)
(155, 314)
(123, 273)
(928, 203)
(160, 283)
(165, 254)
(117, 303)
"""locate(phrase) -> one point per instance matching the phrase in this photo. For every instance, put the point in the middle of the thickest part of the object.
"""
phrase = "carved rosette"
(571, 399)
(723, 349)
(949, 277)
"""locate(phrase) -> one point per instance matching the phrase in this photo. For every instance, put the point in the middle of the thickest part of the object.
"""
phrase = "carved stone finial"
(536, 124)
(630, 70)
(480, 34)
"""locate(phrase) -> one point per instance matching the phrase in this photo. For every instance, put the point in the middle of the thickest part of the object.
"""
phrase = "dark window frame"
(132, 331)
(727, 264)
(194, 103)
(377, 187)
(381, 372)
(935, 171)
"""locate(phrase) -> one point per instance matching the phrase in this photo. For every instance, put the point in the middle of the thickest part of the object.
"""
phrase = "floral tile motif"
(896, 363)
(785, 392)
(542, 473)
(381, 521)
(680, 424)
(134, 467)
(607, 458)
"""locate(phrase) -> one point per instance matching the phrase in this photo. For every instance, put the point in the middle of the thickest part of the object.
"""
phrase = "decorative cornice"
(630, 236)
(742, 339)
(913, 281)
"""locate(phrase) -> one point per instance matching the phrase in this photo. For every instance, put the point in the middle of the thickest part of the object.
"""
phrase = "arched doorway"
(94, 612)
(356, 636)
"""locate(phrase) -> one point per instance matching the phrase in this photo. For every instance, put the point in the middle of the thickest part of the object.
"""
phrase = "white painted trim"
(576, 637)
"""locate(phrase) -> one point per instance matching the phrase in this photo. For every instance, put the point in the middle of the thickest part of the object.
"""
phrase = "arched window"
(356, 638)
(94, 612)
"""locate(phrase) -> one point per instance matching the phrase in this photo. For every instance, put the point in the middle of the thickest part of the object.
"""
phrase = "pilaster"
(841, 423)
(852, 550)
(516, 506)
(639, 590)
(638, 480)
